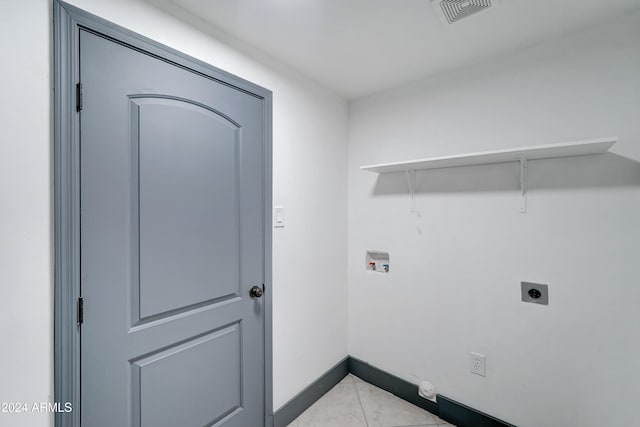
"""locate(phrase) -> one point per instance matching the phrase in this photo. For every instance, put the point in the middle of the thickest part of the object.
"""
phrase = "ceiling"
(359, 47)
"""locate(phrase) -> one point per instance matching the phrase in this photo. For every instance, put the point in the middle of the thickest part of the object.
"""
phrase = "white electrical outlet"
(479, 364)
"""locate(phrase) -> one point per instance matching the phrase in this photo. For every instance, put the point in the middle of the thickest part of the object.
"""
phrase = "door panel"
(161, 396)
(182, 249)
(172, 239)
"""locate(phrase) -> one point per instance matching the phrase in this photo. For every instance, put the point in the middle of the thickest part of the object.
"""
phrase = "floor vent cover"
(455, 10)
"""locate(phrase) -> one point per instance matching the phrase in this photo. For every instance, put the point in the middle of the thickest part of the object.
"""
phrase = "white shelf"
(564, 149)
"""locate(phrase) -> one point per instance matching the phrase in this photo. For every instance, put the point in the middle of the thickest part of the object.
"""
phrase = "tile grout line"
(360, 402)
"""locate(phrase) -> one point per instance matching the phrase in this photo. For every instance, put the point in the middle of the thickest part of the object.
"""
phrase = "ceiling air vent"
(451, 11)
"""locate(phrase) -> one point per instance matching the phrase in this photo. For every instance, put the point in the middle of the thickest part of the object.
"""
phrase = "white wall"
(309, 133)
(454, 285)
(26, 285)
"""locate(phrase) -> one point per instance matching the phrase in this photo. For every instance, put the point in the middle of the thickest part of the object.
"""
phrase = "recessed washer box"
(377, 262)
(536, 293)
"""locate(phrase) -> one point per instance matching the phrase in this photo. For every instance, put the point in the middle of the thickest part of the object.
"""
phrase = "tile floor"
(355, 403)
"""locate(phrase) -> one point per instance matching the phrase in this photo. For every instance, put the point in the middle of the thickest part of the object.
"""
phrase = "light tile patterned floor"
(355, 403)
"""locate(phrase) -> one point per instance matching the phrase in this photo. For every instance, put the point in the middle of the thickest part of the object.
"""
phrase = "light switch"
(278, 217)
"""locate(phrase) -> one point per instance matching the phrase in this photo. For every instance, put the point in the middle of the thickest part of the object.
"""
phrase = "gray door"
(172, 211)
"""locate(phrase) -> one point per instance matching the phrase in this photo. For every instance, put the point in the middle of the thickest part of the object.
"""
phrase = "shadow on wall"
(604, 170)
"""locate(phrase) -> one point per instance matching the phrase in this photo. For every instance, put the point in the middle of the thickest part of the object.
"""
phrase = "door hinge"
(80, 311)
(79, 96)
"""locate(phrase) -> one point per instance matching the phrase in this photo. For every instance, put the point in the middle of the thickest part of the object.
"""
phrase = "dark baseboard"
(463, 416)
(447, 409)
(394, 385)
(307, 397)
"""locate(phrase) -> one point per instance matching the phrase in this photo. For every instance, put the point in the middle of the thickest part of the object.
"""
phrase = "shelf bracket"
(411, 181)
(523, 183)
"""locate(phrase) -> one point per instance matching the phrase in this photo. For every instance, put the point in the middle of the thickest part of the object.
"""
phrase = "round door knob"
(256, 292)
